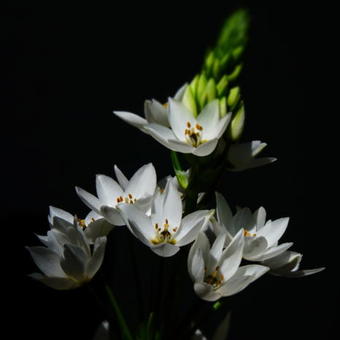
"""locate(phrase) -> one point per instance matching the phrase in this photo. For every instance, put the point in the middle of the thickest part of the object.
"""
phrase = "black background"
(66, 67)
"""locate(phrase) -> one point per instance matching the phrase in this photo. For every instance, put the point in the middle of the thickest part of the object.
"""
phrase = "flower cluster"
(75, 247)
(224, 251)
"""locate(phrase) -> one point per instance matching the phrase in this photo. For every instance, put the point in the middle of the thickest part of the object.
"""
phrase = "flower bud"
(211, 90)
(182, 178)
(189, 101)
(235, 73)
(234, 96)
(202, 83)
(223, 106)
(209, 61)
(237, 52)
(194, 84)
(237, 124)
(222, 85)
(216, 68)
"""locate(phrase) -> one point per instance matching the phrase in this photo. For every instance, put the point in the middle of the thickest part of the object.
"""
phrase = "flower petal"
(260, 218)
(180, 92)
(191, 226)
(89, 200)
(112, 215)
(74, 262)
(274, 251)
(97, 257)
(254, 247)
(202, 243)
(223, 212)
(122, 180)
(172, 206)
(206, 148)
(139, 224)
(56, 212)
(179, 116)
(223, 124)
(131, 118)
(143, 182)
(165, 249)
(162, 135)
(232, 256)
(243, 219)
(47, 261)
(209, 119)
(180, 146)
(59, 283)
(103, 332)
(155, 112)
(243, 277)
(273, 230)
(206, 292)
(217, 247)
(108, 190)
(98, 228)
(197, 265)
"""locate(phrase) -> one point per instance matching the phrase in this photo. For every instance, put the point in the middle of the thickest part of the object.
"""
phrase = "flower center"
(82, 223)
(193, 134)
(246, 233)
(215, 278)
(164, 235)
(129, 199)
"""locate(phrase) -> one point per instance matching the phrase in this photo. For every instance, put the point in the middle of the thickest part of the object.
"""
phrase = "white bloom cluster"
(155, 217)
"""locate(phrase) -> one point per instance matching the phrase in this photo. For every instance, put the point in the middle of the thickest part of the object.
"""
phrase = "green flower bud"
(223, 106)
(222, 85)
(189, 101)
(237, 124)
(194, 84)
(216, 68)
(235, 73)
(224, 61)
(210, 90)
(237, 52)
(209, 61)
(202, 84)
(182, 178)
(234, 96)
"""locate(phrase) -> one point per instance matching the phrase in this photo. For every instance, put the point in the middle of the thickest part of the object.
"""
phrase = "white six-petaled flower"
(138, 191)
(215, 270)
(68, 260)
(287, 264)
(164, 231)
(185, 133)
(243, 156)
(154, 112)
(261, 237)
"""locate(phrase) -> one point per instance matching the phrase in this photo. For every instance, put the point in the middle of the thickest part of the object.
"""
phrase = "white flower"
(103, 331)
(154, 112)
(287, 264)
(261, 237)
(242, 156)
(220, 333)
(164, 231)
(68, 260)
(93, 225)
(139, 191)
(216, 270)
(186, 133)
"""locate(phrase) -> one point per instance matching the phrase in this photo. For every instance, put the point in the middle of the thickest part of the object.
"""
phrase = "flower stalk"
(120, 318)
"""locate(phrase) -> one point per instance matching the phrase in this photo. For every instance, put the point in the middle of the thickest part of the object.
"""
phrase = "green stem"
(120, 317)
